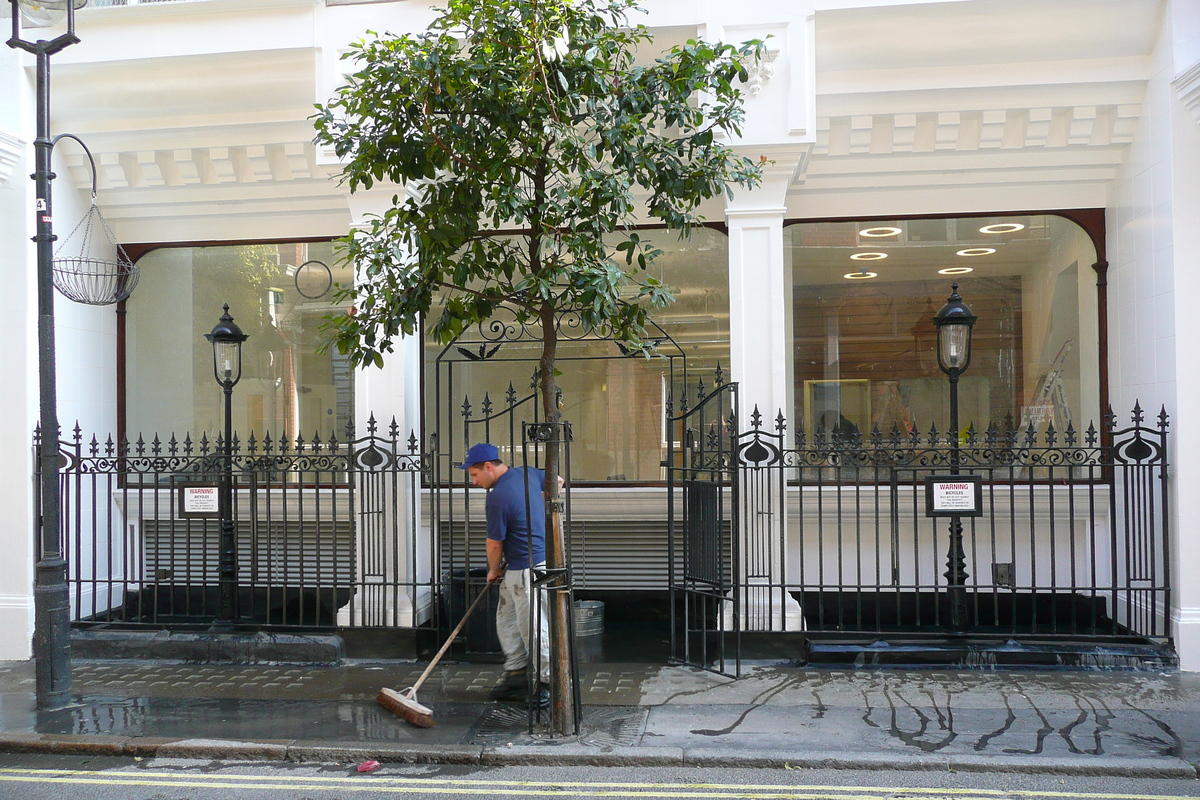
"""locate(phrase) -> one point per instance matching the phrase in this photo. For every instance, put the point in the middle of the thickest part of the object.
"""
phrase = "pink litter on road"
(368, 766)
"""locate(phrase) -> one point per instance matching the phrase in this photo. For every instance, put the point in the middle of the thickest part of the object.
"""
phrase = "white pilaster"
(761, 363)
(388, 394)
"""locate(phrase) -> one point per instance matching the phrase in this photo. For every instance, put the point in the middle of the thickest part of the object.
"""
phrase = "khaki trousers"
(512, 623)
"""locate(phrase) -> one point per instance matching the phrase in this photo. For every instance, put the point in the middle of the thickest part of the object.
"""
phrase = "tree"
(535, 116)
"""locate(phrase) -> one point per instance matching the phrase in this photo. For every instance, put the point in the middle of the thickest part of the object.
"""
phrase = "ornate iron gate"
(327, 532)
(1072, 547)
(702, 516)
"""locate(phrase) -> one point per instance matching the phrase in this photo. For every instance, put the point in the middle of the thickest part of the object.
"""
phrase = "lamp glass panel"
(41, 13)
(228, 360)
(954, 341)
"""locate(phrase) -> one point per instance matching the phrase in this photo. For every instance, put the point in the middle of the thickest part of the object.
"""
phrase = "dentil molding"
(10, 152)
(1187, 83)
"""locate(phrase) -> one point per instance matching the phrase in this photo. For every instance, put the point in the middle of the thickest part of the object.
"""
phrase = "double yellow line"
(402, 784)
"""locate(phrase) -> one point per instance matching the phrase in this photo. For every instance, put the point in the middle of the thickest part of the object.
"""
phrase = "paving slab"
(776, 715)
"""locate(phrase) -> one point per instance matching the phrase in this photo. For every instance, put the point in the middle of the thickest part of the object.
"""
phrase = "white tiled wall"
(86, 336)
(1141, 265)
(1154, 295)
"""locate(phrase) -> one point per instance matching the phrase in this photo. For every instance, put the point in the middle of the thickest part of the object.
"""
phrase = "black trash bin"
(479, 635)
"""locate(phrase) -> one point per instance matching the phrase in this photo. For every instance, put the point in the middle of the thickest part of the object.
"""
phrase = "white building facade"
(916, 122)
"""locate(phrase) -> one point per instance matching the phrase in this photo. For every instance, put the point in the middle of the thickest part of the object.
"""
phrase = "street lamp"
(52, 605)
(227, 338)
(954, 324)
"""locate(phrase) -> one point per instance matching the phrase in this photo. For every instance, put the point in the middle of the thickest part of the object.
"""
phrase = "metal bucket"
(589, 618)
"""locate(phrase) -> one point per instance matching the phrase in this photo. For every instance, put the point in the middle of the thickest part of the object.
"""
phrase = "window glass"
(615, 403)
(864, 297)
(278, 294)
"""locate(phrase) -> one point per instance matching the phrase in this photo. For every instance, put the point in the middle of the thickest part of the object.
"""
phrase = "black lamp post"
(52, 607)
(954, 323)
(227, 338)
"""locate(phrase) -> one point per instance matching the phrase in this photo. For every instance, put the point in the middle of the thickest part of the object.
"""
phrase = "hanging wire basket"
(85, 278)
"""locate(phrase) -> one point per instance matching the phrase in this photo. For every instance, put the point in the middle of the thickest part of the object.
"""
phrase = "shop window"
(865, 293)
(616, 404)
(278, 294)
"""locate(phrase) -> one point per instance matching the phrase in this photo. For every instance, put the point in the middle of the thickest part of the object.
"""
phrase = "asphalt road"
(46, 777)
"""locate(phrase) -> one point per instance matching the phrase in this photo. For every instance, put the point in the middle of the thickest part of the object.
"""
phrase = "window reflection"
(278, 294)
(866, 349)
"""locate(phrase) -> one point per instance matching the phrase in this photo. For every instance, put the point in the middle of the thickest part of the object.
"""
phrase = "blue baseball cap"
(480, 453)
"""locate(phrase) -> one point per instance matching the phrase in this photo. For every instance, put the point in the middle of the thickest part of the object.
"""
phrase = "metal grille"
(1072, 542)
(326, 530)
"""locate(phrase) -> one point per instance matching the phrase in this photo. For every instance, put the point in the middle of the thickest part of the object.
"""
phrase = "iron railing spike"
(780, 422)
(94, 446)
(1164, 419)
(1138, 414)
(109, 446)
(394, 430)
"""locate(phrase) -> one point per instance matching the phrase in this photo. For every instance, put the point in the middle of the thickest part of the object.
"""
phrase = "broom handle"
(449, 640)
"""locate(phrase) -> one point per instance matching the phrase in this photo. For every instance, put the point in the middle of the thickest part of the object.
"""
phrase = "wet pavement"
(1145, 723)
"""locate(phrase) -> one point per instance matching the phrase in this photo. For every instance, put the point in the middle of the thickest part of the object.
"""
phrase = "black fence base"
(209, 648)
(1004, 612)
(967, 652)
(274, 605)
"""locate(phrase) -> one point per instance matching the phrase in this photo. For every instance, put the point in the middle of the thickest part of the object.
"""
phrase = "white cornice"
(1187, 83)
(10, 152)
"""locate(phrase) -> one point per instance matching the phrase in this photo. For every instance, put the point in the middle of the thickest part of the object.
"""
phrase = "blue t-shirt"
(506, 516)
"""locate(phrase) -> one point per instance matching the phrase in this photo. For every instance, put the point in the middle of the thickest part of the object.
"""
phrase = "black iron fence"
(326, 530)
(1072, 539)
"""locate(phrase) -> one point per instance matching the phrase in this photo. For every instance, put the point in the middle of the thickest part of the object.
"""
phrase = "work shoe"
(541, 699)
(513, 686)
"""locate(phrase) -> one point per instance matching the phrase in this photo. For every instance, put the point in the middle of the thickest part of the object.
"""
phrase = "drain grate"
(609, 726)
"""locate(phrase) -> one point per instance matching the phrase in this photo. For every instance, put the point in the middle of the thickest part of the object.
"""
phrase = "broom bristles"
(406, 708)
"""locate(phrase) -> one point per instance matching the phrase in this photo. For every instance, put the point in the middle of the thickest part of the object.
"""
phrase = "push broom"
(404, 704)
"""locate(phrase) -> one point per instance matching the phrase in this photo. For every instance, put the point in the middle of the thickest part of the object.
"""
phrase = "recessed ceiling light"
(1002, 227)
(886, 230)
(858, 276)
(871, 256)
(976, 251)
(955, 270)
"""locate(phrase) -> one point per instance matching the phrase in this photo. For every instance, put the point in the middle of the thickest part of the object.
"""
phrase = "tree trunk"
(562, 710)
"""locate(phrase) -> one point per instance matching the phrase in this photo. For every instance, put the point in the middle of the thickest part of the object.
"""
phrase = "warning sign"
(953, 496)
(199, 500)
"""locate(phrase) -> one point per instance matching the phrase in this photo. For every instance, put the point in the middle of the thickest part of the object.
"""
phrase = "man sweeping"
(511, 536)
